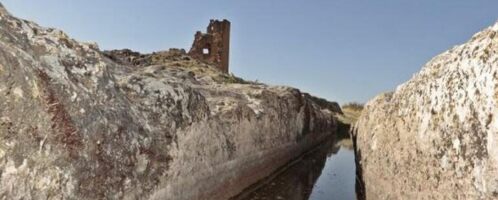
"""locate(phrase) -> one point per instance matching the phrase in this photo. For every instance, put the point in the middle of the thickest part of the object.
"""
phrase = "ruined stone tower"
(213, 46)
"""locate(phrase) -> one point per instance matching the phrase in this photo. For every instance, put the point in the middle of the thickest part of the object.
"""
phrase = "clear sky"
(341, 50)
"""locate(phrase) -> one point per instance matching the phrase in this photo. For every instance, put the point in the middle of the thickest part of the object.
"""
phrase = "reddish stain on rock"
(66, 132)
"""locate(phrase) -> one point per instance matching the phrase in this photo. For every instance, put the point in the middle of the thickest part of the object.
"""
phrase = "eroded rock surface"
(436, 136)
(76, 123)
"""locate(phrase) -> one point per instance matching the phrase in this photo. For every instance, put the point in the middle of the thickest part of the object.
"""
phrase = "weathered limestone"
(436, 136)
(76, 124)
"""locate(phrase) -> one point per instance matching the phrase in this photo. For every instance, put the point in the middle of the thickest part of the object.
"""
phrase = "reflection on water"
(338, 177)
(325, 173)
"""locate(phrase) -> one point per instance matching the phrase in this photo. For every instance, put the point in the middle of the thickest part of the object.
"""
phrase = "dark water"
(325, 173)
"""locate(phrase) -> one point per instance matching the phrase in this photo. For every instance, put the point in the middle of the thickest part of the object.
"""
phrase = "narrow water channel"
(325, 173)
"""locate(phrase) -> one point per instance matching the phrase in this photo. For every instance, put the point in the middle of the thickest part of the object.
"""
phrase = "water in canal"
(325, 173)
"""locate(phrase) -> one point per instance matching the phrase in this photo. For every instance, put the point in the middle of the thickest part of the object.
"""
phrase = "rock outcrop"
(436, 136)
(77, 123)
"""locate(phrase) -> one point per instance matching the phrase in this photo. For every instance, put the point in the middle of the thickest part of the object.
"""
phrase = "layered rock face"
(436, 136)
(76, 123)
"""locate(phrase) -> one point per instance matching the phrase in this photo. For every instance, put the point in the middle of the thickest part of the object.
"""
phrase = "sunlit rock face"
(436, 136)
(75, 124)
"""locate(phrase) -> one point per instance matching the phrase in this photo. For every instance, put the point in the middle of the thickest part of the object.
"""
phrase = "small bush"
(353, 106)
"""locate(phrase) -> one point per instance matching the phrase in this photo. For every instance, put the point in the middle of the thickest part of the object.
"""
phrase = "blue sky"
(341, 50)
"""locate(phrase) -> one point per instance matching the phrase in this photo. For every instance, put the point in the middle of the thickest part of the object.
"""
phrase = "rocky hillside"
(77, 123)
(436, 136)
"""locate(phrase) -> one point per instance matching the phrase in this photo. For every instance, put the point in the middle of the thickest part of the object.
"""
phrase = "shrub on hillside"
(353, 106)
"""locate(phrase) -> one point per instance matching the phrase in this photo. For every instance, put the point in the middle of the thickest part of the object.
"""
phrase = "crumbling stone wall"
(213, 46)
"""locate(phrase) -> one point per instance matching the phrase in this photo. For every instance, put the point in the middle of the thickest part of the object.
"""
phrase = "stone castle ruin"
(213, 46)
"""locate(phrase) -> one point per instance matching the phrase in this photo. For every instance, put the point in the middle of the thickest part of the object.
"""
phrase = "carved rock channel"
(78, 123)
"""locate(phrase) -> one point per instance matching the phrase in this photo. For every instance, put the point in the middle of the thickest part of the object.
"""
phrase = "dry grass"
(352, 112)
(353, 106)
